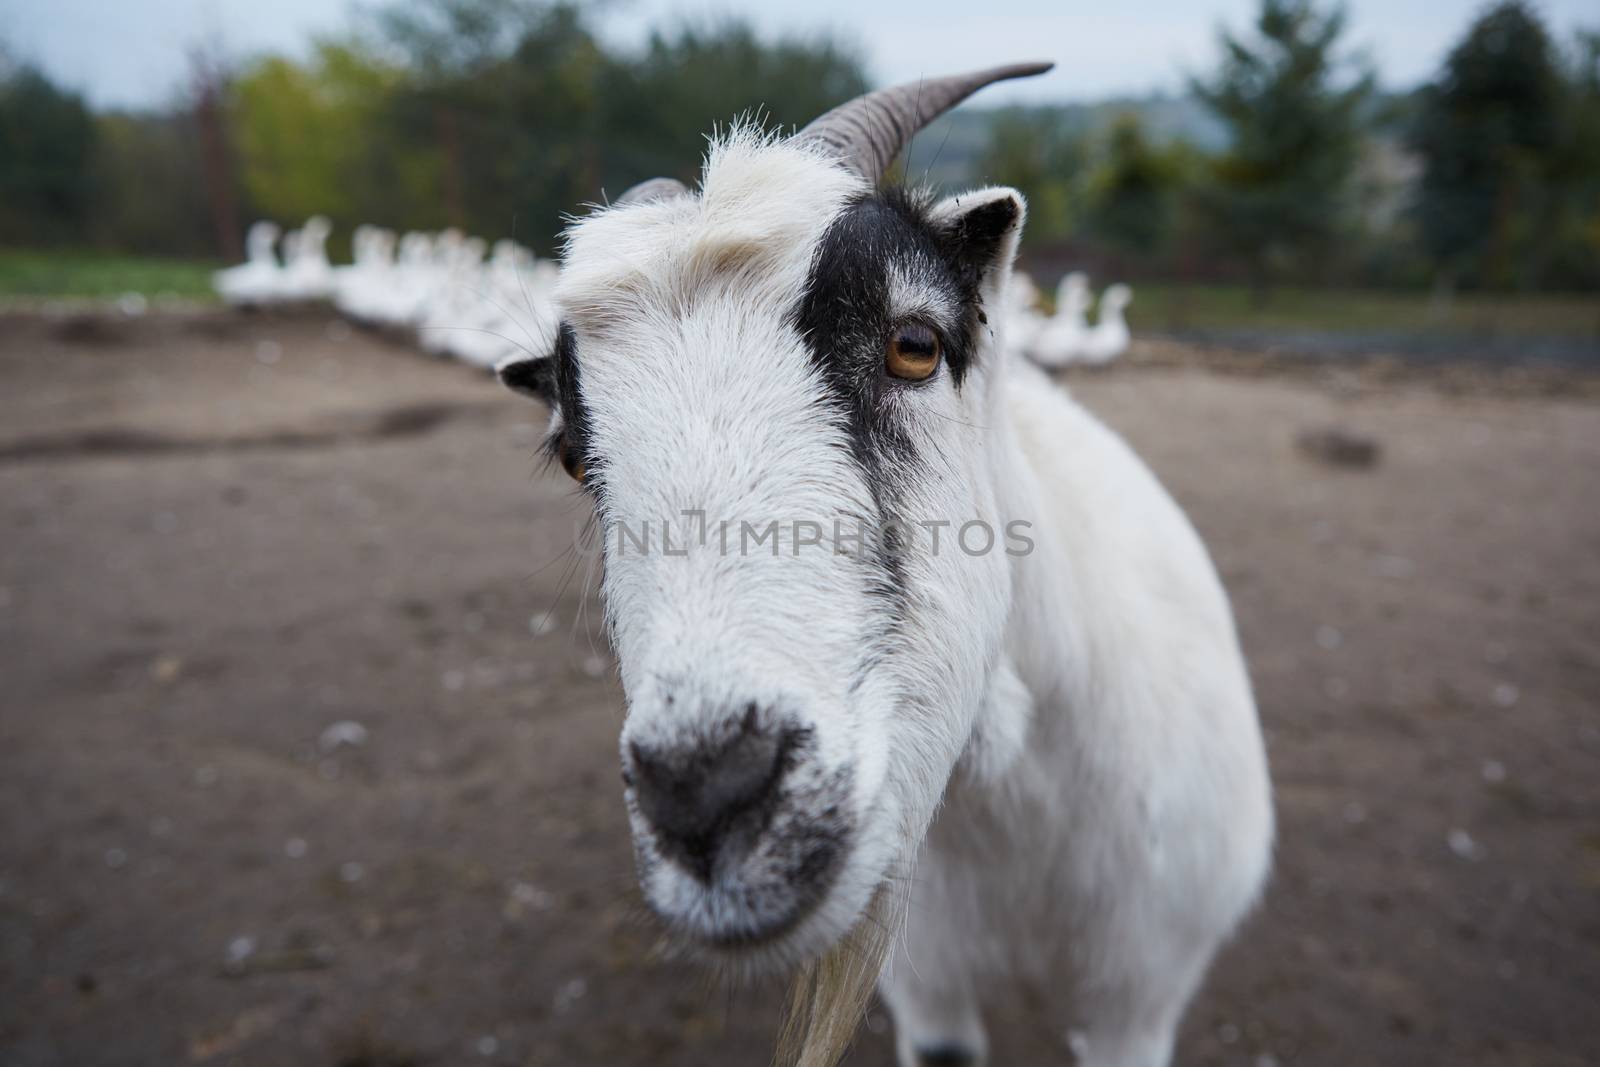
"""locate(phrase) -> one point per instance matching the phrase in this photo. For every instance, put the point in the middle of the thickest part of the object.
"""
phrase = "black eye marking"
(573, 414)
(846, 316)
(570, 446)
(848, 322)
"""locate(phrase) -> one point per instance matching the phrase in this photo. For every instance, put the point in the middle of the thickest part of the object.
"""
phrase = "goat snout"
(707, 804)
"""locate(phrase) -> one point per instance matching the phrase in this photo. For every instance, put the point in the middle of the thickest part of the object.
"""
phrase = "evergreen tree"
(1575, 260)
(1040, 156)
(1277, 197)
(1488, 130)
(1133, 200)
(46, 147)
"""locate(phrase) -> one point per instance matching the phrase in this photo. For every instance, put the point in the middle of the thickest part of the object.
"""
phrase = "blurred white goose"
(365, 289)
(436, 284)
(499, 308)
(352, 283)
(498, 279)
(462, 319)
(508, 275)
(439, 306)
(1109, 337)
(307, 275)
(1024, 322)
(1062, 338)
(256, 280)
(402, 304)
(380, 279)
(522, 288)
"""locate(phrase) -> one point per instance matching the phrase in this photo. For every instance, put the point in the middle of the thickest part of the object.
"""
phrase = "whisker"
(496, 333)
(559, 557)
(516, 268)
(504, 311)
(949, 128)
(560, 592)
(960, 422)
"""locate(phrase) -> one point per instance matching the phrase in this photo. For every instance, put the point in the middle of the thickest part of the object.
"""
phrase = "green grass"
(1164, 307)
(102, 275)
(1574, 317)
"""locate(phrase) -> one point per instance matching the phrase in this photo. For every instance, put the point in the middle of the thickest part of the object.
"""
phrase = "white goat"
(1033, 756)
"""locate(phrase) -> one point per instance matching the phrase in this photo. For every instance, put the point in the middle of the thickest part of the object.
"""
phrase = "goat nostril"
(704, 802)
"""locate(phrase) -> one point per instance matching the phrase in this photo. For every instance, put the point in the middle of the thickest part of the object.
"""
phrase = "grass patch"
(102, 275)
(1574, 317)
(1163, 307)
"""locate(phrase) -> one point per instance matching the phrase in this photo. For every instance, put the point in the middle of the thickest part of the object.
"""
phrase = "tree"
(1573, 239)
(540, 120)
(147, 173)
(502, 97)
(1134, 192)
(1488, 130)
(46, 144)
(660, 105)
(442, 40)
(1277, 196)
(306, 134)
(1040, 156)
(1575, 261)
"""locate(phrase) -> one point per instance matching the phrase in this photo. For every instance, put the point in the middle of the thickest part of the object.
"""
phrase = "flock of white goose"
(438, 285)
(1067, 336)
(482, 310)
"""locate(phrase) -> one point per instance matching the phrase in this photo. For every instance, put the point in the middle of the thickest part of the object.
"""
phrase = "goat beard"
(828, 996)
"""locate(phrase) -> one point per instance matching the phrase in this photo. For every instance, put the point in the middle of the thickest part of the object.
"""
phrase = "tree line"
(1486, 177)
(502, 116)
(490, 115)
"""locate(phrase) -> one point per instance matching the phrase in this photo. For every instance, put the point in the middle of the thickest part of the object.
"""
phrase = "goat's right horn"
(868, 132)
(652, 189)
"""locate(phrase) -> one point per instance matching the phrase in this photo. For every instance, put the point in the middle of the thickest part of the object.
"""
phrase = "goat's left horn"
(868, 132)
(652, 189)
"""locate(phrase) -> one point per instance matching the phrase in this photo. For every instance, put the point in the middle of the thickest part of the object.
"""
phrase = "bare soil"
(220, 536)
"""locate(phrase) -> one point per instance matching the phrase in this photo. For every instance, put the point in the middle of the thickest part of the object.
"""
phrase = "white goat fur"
(1057, 752)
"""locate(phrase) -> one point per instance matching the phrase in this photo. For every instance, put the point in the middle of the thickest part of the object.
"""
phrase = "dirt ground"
(220, 537)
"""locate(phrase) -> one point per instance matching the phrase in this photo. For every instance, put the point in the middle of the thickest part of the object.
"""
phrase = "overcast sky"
(131, 52)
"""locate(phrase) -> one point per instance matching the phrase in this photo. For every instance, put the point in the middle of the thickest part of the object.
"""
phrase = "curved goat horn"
(869, 131)
(652, 189)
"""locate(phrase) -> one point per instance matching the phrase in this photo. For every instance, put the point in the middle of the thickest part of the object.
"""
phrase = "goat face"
(777, 392)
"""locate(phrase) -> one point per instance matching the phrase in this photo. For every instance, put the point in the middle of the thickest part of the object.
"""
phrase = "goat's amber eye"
(913, 352)
(571, 459)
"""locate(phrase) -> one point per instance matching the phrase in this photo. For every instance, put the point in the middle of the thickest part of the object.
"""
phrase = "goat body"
(1112, 822)
(1041, 763)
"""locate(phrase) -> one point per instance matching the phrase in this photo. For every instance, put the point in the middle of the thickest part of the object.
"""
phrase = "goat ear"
(535, 377)
(980, 230)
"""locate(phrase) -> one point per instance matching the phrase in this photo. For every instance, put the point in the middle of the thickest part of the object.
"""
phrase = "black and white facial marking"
(886, 265)
(884, 261)
(793, 717)
(554, 380)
